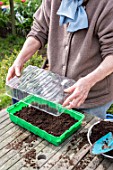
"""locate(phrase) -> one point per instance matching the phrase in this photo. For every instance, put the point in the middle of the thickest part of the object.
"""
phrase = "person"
(80, 47)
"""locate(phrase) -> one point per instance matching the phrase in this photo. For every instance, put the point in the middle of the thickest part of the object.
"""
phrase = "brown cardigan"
(76, 54)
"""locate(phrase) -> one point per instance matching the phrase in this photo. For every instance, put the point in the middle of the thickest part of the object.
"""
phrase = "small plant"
(24, 15)
(24, 10)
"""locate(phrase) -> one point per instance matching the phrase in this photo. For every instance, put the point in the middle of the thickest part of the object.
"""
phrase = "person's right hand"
(29, 48)
(14, 70)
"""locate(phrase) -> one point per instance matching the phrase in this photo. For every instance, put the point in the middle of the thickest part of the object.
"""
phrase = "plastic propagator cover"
(40, 84)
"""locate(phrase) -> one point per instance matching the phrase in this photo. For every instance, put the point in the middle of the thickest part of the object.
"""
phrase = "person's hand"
(14, 70)
(78, 93)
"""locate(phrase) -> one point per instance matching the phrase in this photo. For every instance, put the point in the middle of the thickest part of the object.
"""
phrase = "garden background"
(11, 44)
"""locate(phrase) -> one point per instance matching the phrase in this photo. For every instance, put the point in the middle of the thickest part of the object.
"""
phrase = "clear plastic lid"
(39, 83)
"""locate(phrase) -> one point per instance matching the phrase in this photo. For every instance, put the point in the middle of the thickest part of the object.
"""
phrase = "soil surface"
(51, 124)
(100, 130)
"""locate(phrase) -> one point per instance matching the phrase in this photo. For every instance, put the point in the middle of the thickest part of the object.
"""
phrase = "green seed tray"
(56, 140)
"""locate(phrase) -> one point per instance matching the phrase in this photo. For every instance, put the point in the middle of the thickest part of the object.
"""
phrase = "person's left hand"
(78, 93)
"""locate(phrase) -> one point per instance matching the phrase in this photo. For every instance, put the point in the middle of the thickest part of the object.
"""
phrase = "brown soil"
(84, 162)
(100, 130)
(51, 124)
(30, 158)
(27, 150)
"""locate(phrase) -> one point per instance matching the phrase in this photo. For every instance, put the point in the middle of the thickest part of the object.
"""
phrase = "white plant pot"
(89, 134)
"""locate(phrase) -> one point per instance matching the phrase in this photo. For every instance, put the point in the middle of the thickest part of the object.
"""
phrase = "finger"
(81, 102)
(17, 71)
(10, 74)
(70, 98)
(74, 103)
(70, 89)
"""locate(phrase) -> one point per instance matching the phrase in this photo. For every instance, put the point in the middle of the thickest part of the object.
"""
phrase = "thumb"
(70, 89)
(18, 71)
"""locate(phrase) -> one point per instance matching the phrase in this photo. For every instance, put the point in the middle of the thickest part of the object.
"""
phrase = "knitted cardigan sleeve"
(40, 27)
(105, 30)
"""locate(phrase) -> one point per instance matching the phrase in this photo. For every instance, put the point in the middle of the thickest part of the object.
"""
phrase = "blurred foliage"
(6, 2)
(8, 52)
(110, 110)
(4, 19)
(7, 45)
(23, 15)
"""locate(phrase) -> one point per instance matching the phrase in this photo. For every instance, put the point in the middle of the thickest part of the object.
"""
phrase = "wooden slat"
(15, 156)
(94, 163)
(3, 118)
(4, 123)
(110, 167)
(66, 156)
(82, 164)
(21, 162)
(6, 128)
(49, 152)
(70, 160)
(10, 138)
(64, 149)
(46, 149)
(104, 164)
(3, 112)
(17, 137)
(8, 134)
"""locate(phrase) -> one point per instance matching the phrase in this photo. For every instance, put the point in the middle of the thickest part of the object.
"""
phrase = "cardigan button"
(64, 68)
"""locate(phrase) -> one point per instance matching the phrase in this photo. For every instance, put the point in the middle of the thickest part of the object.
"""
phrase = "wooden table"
(73, 154)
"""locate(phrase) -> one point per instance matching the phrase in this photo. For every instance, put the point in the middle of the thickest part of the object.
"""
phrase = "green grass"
(7, 45)
(7, 48)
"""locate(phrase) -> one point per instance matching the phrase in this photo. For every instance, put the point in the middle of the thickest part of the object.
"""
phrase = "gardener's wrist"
(91, 80)
(19, 62)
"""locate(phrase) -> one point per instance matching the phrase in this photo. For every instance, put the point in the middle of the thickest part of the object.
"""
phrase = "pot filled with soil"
(99, 129)
(54, 129)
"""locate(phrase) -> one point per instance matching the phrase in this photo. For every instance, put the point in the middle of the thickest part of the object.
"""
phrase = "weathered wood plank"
(4, 123)
(94, 163)
(110, 167)
(8, 133)
(71, 159)
(21, 162)
(6, 128)
(82, 164)
(3, 112)
(50, 150)
(64, 149)
(17, 137)
(3, 118)
(14, 159)
(46, 150)
(104, 164)
(10, 138)
(14, 156)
